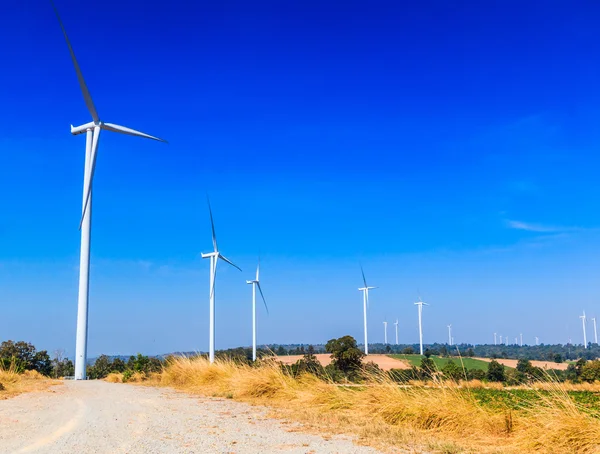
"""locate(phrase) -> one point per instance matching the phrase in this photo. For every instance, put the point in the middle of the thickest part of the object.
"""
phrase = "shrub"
(496, 372)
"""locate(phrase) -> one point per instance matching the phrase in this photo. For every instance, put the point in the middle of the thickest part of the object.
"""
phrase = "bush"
(476, 374)
(127, 375)
(452, 371)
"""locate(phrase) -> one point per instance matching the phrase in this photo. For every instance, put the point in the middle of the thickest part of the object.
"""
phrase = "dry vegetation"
(13, 383)
(438, 417)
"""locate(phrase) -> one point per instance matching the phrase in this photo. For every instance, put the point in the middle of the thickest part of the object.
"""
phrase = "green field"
(469, 363)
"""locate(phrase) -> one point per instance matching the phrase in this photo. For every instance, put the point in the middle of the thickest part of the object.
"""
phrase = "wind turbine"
(500, 339)
(583, 320)
(396, 323)
(449, 334)
(595, 332)
(214, 258)
(365, 291)
(256, 283)
(537, 340)
(385, 332)
(420, 308)
(495, 338)
(92, 132)
(521, 334)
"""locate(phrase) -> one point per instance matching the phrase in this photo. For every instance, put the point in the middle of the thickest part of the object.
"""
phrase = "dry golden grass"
(14, 383)
(435, 418)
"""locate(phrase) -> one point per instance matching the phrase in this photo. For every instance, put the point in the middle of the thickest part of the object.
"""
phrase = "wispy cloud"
(530, 227)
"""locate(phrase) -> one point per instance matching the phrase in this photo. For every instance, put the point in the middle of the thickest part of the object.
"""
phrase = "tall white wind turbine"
(385, 332)
(521, 334)
(396, 323)
(500, 339)
(595, 332)
(214, 258)
(495, 339)
(365, 291)
(256, 283)
(583, 320)
(537, 340)
(92, 132)
(420, 309)
(449, 334)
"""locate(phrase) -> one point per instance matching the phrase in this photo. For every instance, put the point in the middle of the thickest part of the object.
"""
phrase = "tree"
(452, 371)
(25, 357)
(558, 358)
(470, 352)
(590, 372)
(345, 353)
(496, 372)
(427, 368)
(118, 365)
(281, 351)
(101, 368)
(408, 351)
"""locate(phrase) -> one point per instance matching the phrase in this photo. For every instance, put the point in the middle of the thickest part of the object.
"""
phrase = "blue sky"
(452, 149)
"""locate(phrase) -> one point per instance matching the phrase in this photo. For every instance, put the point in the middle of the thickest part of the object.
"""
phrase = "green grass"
(469, 363)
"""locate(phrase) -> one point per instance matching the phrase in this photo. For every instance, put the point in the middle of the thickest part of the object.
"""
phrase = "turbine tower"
(420, 309)
(537, 340)
(583, 320)
(385, 332)
(521, 334)
(256, 283)
(365, 291)
(214, 258)
(396, 323)
(595, 332)
(449, 334)
(500, 339)
(495, 339)
(92, 133)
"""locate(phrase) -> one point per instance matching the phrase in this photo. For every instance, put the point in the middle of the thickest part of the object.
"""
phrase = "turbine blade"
(363, 275)
(86, 93)
(222, 257)
(131, 132)
(257, 269)
(88, 189)
(212, 225)
(263, 296)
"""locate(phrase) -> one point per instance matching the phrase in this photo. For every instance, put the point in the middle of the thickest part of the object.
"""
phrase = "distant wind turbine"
(500, 339)
(365, 291)
(521, 339)
(595, 332)
(385, 332)
(537, 340)
(396, 323)
(92, 132)
(214, 258)
(583, 320)
(449, 334)
(420, 309)
(256, 283)
(495, 339)
(516, 341)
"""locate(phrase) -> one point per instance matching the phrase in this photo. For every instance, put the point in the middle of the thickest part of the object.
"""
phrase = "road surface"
(99, 417)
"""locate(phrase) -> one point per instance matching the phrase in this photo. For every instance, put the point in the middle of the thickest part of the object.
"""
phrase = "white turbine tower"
(92, 132)
(256, 283)
(495, 339)
(396, 323)
(537, 340)
(449, 334)
(583, 320)
(521, 334)
(420, 309)
(500, 339)
(385, 332)
(365, 291)
(214, 258)
(595, 332)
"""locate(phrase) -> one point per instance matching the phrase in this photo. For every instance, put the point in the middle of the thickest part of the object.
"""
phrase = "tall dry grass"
(14, 383)
(434, 418)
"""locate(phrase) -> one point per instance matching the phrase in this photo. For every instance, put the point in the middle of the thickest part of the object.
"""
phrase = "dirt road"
(100, 417)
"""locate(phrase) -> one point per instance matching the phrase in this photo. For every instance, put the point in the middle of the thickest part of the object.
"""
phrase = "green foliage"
(476, 374)
(452, 371)
(140, 363)
(427, 368)
(590, 371)
(127, 375)
(408, 351)
(345, 354)
(308, 364)
(25, 357)
(496, 372)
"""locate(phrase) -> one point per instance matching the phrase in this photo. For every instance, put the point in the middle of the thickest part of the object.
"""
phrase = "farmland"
(469, 363)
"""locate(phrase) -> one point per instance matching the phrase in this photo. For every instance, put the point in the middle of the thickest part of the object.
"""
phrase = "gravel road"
(100, 417)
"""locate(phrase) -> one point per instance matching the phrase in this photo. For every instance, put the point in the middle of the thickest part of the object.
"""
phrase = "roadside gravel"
(100, 417)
